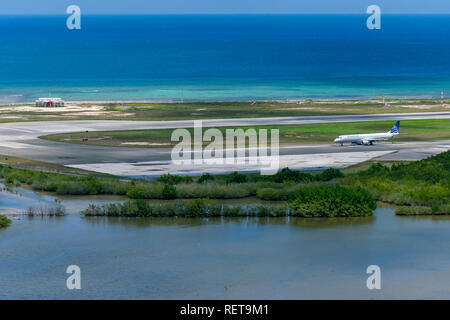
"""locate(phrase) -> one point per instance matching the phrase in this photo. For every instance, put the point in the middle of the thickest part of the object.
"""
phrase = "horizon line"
(212, 14)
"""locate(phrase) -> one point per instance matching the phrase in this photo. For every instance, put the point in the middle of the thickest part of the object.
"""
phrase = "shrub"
(195, 208)
(418, 210)
(22, 176)
(4, 221)
(94, 210)
(216, 191)
(233, 211)
(93, 185)
(115, 187)
(329, 174)
(149, 191)
(332, 201)
(46, 210)
(182, 208)
(73, 188)
(271, 194)
(169, 192)
(376, 169)
(288, 175)
(205, 178)
(173, 179)
(413, 211)
(236, 177)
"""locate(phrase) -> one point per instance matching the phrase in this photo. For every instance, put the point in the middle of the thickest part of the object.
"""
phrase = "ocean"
(223, 57)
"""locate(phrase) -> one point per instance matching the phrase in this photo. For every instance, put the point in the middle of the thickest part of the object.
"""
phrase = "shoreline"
(373, 99)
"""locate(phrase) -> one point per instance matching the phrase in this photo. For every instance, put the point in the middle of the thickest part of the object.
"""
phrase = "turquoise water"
(222, 57)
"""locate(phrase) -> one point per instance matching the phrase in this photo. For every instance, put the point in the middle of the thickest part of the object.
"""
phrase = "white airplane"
(368, 139)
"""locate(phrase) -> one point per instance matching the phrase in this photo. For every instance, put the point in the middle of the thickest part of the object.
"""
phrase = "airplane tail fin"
(396, 127)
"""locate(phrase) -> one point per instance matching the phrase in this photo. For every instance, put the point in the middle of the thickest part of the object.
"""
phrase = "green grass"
(21, 163)
(208, 110)
(410, 130)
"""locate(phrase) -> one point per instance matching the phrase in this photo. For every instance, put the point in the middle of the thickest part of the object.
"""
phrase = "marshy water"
(229, 258)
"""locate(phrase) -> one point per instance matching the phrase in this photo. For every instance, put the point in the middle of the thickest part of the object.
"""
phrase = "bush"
(4, 221)
(329, 174)
(169, 192)
(288, 175)
(95, 210)
(419, 183)
(73, 188)
(149, 191)
(182, 208)
(233, 211)
(268, 211)
(271, 194)
(205, 178)
(413, 211)
(46, 210)
(236, 177)
(332, 201)
(418, 211)
(173, 179)
(216, 191)
(20, 176)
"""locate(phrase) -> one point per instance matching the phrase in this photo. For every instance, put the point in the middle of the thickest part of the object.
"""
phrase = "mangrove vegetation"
(4, 221)
(309, 201)
(421, 187)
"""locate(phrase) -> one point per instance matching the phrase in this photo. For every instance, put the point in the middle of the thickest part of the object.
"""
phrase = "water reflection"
(244, 221)
(226, 258)
(330, 222)
(16, 200)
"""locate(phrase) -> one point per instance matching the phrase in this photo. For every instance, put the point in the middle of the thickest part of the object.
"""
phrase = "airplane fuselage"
(365, 139)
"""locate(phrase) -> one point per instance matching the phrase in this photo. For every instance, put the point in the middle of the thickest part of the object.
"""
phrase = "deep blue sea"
(223, 57)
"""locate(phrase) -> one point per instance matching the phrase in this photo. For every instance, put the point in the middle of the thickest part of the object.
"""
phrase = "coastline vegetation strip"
(208, 110)
(232, 186)
(310, 201)
(243, 109)
(423, 211)
(4, 221)
(424, 183)
(411, 130)
(413, 185)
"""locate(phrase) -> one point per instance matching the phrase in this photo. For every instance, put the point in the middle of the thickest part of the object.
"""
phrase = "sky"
(222, 6)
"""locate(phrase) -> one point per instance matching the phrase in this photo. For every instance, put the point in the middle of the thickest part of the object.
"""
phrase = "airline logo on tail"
(396, 127)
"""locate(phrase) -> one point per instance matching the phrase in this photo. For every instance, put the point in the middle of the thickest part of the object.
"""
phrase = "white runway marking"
(16, 129)
(13, 145)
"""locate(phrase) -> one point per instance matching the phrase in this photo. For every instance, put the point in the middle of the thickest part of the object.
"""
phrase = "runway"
(21, 139)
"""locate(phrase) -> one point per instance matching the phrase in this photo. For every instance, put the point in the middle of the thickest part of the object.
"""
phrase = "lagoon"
(241, 258)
